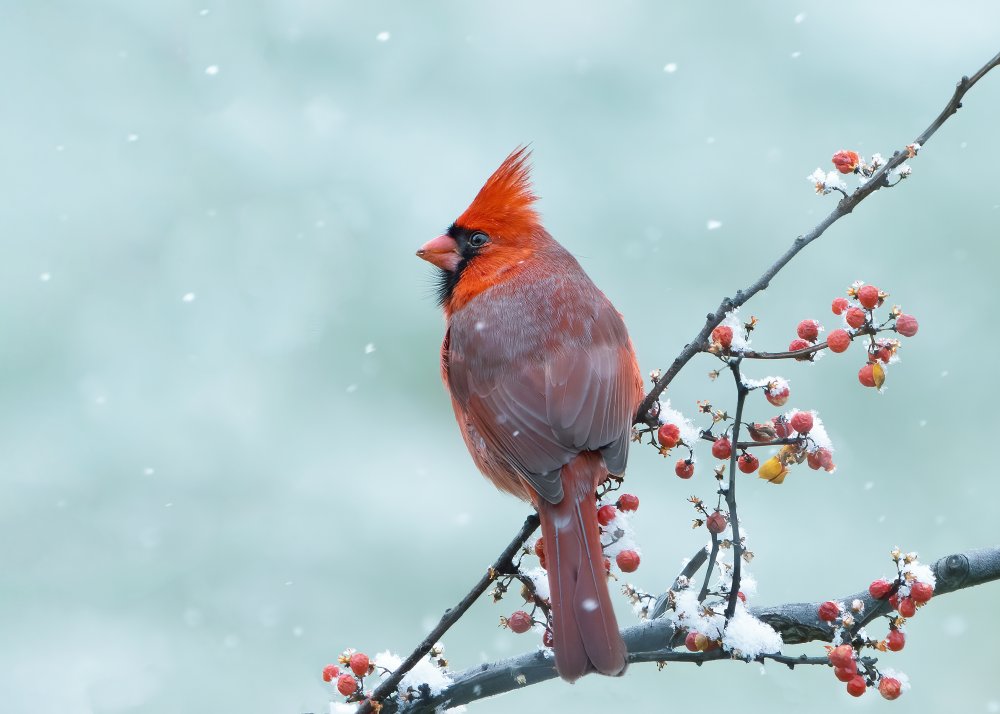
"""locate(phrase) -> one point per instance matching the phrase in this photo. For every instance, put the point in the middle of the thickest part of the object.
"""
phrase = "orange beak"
(442, 252)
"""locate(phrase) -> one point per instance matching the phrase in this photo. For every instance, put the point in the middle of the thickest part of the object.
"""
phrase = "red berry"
(894, 601)
(839, 305)
(845, 674)
(906, 325)
(347, 685)
(547, 638)
(628, 561)
(716, 523)
(868, 296)
(829, 611)
(921, 592)
(884, 354)
(842, 656)
(330, 672)
(540, 547)
(802, 422)
(359, 664)
(857, 686)
(684, 468)
(748, 463)
(866, 375)
(808, 330)
(856, 317)
(851, 665)
(628, 502)
(889, 687)
(669, 435)
(741, 596)
(821, 458)
(846, 161)
(722, 449)
(782, 428)
(907, 608)
(895, 641)
(799, 344)
(606, 514)
(691, 641)
(723, 334)
(777, 395)
(879, 589)
(519, 622)
(838, 340)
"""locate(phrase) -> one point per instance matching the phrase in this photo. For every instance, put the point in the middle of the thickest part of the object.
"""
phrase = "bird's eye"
(478, 239)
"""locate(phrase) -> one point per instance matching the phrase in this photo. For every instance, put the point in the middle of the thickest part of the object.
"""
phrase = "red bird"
(544, 382)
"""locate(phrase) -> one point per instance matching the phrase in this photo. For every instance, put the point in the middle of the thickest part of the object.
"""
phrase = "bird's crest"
(503, 206)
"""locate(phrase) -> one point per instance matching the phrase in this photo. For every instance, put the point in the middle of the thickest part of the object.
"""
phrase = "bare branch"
(648, 641)
(503, 565)
(734, 520)
(844, 207)
(690, 568)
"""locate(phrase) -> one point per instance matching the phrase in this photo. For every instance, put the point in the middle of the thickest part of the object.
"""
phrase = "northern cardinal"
(544, 382)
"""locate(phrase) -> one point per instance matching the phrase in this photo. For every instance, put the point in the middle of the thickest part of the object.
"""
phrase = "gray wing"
(574, 389)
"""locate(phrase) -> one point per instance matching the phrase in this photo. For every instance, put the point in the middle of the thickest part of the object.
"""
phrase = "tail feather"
(586, 636)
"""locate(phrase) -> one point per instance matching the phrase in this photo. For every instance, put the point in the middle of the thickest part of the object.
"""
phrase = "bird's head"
(498, 230)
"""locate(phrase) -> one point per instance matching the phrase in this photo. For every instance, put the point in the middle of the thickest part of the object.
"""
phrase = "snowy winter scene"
(377, 358)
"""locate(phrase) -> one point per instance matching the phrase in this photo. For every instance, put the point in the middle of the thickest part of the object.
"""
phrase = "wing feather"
(571, 390)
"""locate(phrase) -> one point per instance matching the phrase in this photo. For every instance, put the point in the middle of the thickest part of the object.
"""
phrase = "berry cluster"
(858, 311)
(911, 589)
(427, 676)
(800, 435)
(668, 436)
(352, 680)
(850, 162)
(808, 443)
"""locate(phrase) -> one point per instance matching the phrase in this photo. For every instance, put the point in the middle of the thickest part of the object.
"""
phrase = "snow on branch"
(651, 641)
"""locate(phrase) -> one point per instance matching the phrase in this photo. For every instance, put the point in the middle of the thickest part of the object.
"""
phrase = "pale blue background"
(204, 501)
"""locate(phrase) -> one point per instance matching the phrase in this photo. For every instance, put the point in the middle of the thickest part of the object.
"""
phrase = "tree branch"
(504, 564)
(648, 641)
(734, 520)
(844, 207)
(796, 623)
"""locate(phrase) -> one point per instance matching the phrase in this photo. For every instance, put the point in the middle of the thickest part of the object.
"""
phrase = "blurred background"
(225, 453)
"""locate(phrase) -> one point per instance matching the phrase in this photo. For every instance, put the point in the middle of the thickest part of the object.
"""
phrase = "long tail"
(586, 636)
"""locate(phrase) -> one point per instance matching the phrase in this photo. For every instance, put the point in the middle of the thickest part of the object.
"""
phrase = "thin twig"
(734, 519)
(794, 354)
(687, 572)
(503, 565)
(712, 557)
